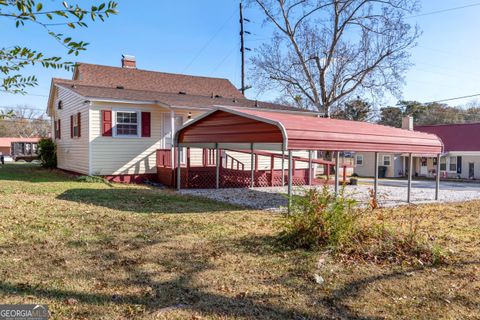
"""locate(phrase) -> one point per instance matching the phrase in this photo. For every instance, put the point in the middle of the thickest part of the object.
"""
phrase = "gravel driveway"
(390, 193)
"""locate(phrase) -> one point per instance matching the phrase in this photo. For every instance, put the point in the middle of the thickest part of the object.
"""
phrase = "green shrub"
(47, 153)
(321, 218)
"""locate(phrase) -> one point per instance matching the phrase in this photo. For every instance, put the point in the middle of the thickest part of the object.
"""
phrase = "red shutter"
(79, 121)
(146, 124)
(59, 130)
(71, 126)
(55, 130)
(107, 123)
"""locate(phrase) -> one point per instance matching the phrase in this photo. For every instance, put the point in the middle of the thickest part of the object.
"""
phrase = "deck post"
(217, 167)
(188, 167)
(337, 167)
(290, 174)
(375, 175)
(437, 184)
(252, 172)
(410, 169)
(179, 169)
(283, 167)
(309, 167)
(272, 169)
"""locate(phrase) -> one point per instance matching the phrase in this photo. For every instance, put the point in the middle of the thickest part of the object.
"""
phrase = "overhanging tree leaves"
(328, 50)
(23, 12)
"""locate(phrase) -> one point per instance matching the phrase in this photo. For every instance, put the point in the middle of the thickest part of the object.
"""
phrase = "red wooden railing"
(164, 158)
(232, 171)
(208, 158)
(234, 163)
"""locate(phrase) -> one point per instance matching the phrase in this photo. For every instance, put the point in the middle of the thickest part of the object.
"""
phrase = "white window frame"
(357, 157)
(442, 161)
(75, 125)
(139, 123)
(389, 160)
(450, 163)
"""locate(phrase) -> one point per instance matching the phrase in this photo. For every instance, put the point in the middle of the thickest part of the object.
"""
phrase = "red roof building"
(456, 137)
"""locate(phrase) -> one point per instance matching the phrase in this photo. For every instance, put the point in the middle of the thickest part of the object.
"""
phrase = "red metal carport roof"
(303, 132)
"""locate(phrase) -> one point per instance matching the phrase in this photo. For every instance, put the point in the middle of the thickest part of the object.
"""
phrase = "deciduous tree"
(330, 50)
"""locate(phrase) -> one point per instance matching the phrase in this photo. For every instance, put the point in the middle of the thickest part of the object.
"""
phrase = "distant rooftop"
(456, 137)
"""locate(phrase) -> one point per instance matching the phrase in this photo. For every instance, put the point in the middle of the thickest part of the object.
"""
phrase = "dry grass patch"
(93, 251)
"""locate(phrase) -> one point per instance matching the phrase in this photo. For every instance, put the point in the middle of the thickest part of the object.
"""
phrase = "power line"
(209, 41)
(445, 10)
(456, 98)
(223, 60)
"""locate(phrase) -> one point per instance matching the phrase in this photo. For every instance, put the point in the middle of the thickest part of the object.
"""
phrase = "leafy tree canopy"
(24, 13)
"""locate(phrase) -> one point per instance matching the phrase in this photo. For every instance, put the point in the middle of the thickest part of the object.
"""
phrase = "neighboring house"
(461, 158)
(111, 121)
(394, 165)
(6, 144)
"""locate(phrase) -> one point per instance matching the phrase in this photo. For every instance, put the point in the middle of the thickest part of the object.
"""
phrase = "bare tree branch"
(329, 50)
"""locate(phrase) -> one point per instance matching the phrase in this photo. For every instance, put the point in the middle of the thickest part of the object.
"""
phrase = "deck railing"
(233, 173)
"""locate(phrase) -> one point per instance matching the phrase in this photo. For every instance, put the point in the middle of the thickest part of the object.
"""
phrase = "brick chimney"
(129, 62)
(407, 123)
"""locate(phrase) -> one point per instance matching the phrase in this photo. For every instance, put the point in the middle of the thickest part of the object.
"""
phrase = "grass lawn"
(95, 251)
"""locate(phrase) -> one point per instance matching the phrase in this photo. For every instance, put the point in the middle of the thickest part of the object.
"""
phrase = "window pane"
(386, 160)
(453, 164)
(127, 123)
(359, 160)
(127, 129)
(126, 117)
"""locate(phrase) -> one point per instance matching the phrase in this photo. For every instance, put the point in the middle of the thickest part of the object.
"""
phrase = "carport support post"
(283, 167)
(410, 169)
(217, 166)
(375, 175)
(437, 184)
(290, 174)
(179, 173)
(337, 167)
(309, 167)
(252, 172)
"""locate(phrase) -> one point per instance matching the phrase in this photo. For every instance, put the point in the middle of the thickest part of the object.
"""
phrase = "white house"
(111, 121)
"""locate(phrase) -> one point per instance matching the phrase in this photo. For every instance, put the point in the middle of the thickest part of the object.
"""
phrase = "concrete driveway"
(425, 184)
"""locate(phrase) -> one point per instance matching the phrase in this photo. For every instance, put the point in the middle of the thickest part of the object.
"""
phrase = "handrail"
(234, 160)
(296, 158)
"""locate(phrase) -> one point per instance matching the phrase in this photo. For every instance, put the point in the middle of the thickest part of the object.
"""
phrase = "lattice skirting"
(204, 178)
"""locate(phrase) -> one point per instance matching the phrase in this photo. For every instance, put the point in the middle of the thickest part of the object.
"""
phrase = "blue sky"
(201, 38)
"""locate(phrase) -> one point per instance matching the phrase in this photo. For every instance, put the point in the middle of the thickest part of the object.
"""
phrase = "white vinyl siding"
(367, 169)
(130, 154)
(72, 154)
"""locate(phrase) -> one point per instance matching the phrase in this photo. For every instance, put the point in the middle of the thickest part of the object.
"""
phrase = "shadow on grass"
(185, 291)
(144, 201)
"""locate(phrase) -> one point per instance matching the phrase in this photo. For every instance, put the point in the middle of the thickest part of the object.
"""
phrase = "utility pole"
(242, 48)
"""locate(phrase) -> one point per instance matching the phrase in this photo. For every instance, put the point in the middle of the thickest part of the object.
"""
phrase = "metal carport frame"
(249, 129)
